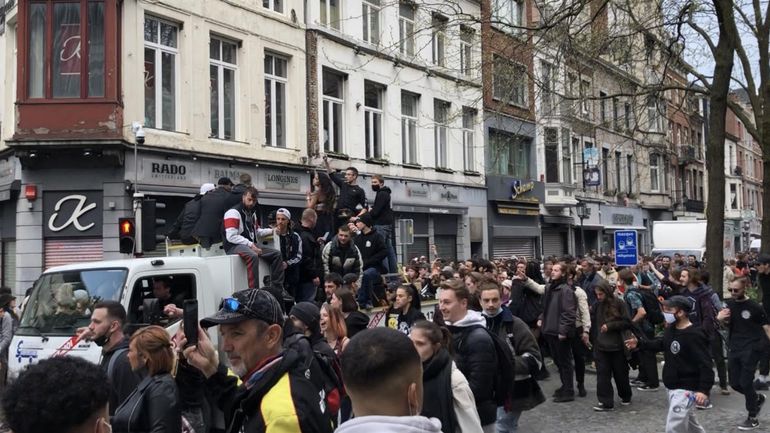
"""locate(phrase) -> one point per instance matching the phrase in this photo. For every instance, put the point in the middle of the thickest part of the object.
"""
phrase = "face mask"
(103, 339)
(375, 188)
(670, 318)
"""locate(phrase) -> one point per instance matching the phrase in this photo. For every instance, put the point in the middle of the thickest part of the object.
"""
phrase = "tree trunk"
(762, 122)
(715, 147)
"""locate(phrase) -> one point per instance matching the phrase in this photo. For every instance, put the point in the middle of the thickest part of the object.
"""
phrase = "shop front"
(175, 180)
(447, 220)
(513, 216)
(622, 218)
(10, 184)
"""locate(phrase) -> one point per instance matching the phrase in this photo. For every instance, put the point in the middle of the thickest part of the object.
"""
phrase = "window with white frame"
(373, 105)
(551, 144)
(585, 98)
(508, 14)
(439, 27)
(370, 15)
(409, 118)
(566, 157)
(333, 107)
(222, 66)
(655, 172)
(603, 108)
(330, 14)
(160, 73)
(546, 91)
(406, 13)
(273, 5)
(441, 131)
(469, 138)
(276, 80)
(654, 117)
(466, 50)
(509, 82)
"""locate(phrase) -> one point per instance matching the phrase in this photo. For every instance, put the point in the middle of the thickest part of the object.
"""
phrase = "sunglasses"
(234, 306)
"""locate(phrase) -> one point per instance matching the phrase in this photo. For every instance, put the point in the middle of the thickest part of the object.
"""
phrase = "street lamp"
(583, 212)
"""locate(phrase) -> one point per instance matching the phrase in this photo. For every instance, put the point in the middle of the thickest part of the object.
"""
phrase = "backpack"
(505, 376)
(322, 370)
(651, 306)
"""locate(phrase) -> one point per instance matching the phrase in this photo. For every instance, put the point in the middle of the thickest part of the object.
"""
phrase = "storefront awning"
(430, 209)
(282, 200)
(6, 191)
(624, 228)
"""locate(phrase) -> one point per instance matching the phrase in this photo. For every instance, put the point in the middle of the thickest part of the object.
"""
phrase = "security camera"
(139, 135)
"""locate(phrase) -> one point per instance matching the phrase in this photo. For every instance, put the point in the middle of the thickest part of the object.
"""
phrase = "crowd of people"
(300, 356)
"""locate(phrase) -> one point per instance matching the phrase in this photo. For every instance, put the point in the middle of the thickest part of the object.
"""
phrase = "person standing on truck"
(185, 223)
(213, 206)
(351, 199)
(373, 253)
(242, 235)
(106, 331)
(382, 216)
(310, 266)
(275, 391)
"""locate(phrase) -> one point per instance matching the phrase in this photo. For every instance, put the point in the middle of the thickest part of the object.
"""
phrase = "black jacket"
(612, 340)
(560, 310)
(152, 408)
(310, 266)
(687, 358)
(185, 223)
(123, 380)
(296, 405)
(213, 208)
(588, 283)
(342, 259)
(373, 250)
(476, 358)
(381, 210)
(356, 322)
(235, 195)
(351, 197)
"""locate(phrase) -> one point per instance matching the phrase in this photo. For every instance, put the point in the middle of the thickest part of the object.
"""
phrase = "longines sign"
(72, 214)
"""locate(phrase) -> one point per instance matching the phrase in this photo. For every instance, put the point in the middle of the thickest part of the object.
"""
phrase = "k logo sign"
(80, 209)
(72, 214)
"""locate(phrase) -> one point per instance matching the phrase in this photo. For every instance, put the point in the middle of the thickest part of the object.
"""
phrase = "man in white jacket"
(382, 373)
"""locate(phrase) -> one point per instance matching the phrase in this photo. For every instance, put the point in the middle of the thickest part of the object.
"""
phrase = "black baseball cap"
(225, 181)
(678, 301)
(247, 304)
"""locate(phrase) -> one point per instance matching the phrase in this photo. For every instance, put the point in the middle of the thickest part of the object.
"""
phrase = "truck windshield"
(61, 302)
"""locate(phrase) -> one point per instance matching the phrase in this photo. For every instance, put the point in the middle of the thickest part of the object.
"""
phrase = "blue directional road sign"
(626, 248)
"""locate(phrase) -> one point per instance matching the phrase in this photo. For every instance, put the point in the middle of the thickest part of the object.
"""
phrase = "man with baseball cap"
(275, 394)
(373, 252)
(290, 245)
(688, 369)
(213, 205)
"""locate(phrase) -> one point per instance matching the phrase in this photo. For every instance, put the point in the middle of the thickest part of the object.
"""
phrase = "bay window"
(66, 50)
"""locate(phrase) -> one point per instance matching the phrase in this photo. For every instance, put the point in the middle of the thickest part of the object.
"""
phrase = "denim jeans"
(305, 292)
(390, 262)
(507, 422)
(367, 284)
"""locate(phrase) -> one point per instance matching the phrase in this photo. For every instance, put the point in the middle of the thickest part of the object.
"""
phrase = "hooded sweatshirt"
(381, 210)
(476, 357)
(390, 424)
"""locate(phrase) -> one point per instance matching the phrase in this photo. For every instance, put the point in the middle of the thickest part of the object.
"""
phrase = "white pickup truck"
(61, 299)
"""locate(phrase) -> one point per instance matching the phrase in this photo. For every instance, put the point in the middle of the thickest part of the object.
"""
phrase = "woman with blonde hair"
(333, 328)
(154, 405)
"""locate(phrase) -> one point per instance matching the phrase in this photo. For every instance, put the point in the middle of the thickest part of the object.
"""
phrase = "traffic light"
(151, 224)
(126, 235)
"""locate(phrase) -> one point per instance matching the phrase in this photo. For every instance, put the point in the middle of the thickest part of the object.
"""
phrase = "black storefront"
(513, 215)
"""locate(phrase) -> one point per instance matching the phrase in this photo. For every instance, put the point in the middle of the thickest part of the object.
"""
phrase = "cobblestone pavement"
(646, 414)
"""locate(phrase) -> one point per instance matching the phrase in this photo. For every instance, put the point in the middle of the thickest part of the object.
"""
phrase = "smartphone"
(190, 321)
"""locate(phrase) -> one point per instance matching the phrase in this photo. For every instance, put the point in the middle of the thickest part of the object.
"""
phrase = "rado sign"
(168, 169)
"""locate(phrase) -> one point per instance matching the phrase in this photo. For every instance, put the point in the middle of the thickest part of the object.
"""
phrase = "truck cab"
(63, 297)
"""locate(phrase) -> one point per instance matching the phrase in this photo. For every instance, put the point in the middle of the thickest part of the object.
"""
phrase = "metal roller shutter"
(65, 251)
(9, 265)
(554, 243)
(446, 247)
(418, 248)
(507, 247)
